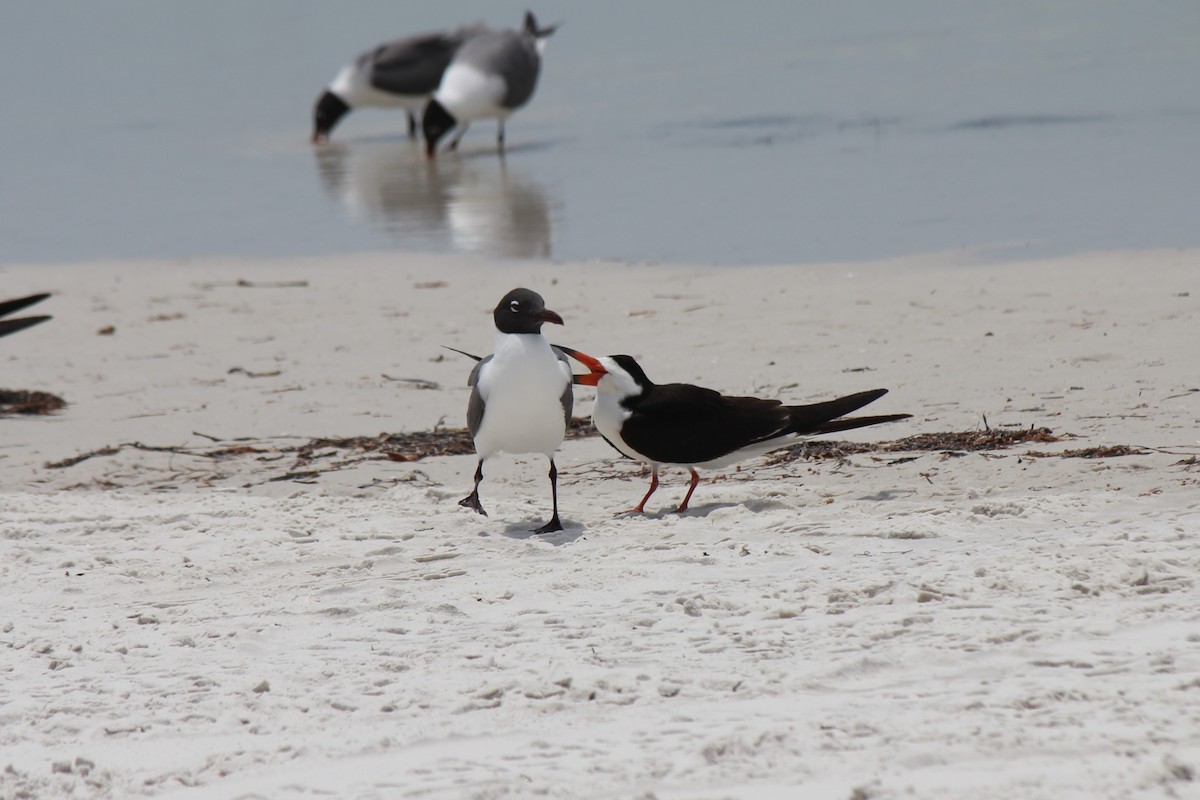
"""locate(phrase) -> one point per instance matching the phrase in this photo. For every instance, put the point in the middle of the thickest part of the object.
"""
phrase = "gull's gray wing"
(476, 405)
(568, 395)
(411, 66)
(510, 55)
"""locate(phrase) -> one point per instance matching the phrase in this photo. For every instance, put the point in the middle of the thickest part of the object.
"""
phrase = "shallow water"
(730, 134)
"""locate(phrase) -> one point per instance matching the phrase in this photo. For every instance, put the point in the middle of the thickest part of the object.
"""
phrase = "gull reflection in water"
(479, 205)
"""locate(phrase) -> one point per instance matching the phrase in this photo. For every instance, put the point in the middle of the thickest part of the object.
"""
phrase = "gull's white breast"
(469, 93)
(354, 86)
(522, 387)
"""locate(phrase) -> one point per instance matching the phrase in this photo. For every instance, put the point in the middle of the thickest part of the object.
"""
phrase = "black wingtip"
(463, 352)
(8, 326)
(12, 306)
(850, 423)
(824, 417)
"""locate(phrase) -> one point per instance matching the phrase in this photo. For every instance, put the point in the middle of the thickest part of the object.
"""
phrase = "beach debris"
(21, 401)
(306, 461)
(1113, 451)
(415, 383)
(949, 442)
(242, 283)
(272, 373)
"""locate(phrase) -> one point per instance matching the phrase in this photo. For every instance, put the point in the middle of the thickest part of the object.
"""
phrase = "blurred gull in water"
(399, 74)
(492, 75)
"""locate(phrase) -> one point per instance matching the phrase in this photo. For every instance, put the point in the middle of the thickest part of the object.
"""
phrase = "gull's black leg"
(472, 500)
(554, 524)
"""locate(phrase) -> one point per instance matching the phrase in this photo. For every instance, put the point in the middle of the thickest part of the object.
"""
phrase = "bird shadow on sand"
(525, 531)
(884, 495)
(696, 512)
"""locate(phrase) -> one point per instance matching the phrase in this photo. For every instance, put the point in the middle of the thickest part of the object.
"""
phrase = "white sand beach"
(1009, 623)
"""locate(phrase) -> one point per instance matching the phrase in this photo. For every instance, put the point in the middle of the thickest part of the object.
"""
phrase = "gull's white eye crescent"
(515, 306)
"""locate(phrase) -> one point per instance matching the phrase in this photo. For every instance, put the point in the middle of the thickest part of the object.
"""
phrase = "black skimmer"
(521, 396)
(7, 307)
(492, 75)
(689, 426)
(399, 74)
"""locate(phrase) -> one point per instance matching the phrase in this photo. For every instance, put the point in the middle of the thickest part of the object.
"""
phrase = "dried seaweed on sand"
(20, 401)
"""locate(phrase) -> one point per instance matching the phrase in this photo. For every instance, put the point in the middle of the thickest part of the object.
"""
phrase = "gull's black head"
(436, 121)
(523, 311)
(329, 109)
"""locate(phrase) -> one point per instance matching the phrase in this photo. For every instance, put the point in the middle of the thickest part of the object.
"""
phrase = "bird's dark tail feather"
(8, 326)
(7, 307)
(12, 306)
(850, 423)
(463, 352)
(823, 417)
(531, 27)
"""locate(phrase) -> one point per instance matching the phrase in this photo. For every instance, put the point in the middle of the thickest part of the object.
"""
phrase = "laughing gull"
(492, 75)
(521, 395)
(7, 307)
(689, 426)
(399, 74)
